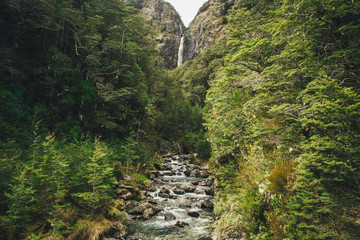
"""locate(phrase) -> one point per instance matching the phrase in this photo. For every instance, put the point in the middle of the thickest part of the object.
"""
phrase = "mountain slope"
(168, 25)
(208, 27)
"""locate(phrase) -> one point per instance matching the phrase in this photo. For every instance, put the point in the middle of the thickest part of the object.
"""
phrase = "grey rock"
(207, 204)
(193, 214)
(164, 195)
(164, 190)
(178, 191)
(205, 238)
(181, 224)
(209, 191)
(189, 189)
(169, 216)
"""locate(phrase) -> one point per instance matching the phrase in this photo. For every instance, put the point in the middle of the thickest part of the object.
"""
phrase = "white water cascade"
(181, 51)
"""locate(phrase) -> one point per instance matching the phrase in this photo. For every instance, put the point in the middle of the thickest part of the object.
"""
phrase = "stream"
(178, 206)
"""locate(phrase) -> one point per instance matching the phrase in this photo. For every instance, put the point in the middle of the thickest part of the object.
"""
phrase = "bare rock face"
(209, 27)
(168, 25)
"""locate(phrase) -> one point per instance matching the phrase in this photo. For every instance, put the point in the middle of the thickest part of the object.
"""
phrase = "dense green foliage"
(282, 113)
(83, 102)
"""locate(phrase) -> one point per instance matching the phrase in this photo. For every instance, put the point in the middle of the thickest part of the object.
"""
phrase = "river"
(181, 203)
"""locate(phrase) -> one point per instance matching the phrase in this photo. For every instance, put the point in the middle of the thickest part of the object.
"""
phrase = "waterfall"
(181, 51)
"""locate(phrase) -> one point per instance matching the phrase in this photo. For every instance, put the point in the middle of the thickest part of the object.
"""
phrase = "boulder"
(169, 216)
(157, 166)
(181, 224)
(203, 174)
(126, 194)
(178, 191)
(153, 174)
(164, 195)
(193, 214)
(189, 189)
(164, 190)
(207, 182)
(140, 209)
(195, 183)
(168, 173)
(118, 231)
(198, 191)
(209, 191)
(207, 204)
(184, 206)
(148, 213)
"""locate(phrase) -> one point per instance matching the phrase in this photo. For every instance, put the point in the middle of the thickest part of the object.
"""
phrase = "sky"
(187, 8)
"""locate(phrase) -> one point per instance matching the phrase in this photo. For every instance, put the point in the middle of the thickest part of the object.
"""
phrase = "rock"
(178, 191)
(148, 213)
(203, 174)
(165, 167)
(152, 201)
(205, 238)
(189, 189)
(140, 209)
(153, 174)
(156, 210)
(118, 231)
(169, 216)
(164, 190)
(125, 194)
(195, 183)
(187, 172)
(184, 206)
(172, 196)
(198, 191)
(209, 191)
(181, 224)
(168, 173)
(207, 182)
(157, 166)
(164, 195)
(152, 189)
(193, 214)
(207, 204)
(194, 173)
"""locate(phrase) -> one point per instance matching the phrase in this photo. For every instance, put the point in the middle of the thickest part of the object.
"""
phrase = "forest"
(273, 109)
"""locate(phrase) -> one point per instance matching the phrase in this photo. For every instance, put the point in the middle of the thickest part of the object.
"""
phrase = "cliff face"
(208, 27)
(168, 26)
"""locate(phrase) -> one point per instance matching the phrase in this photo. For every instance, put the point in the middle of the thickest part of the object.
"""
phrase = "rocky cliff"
(208, 27)
(168, 25)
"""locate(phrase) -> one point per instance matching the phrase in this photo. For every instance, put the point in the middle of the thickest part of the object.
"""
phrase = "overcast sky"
(187, 8)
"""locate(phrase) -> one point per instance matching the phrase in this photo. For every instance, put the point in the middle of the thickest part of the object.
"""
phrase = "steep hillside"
(209, 27)
(282, 115)
(168, 25)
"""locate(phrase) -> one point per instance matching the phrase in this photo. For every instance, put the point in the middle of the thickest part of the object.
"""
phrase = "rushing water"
(185, 195)
(181, 51)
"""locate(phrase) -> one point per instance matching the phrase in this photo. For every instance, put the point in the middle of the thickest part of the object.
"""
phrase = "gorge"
(118, 122)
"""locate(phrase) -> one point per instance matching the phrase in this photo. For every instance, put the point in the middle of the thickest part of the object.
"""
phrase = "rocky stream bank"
(177, 204)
